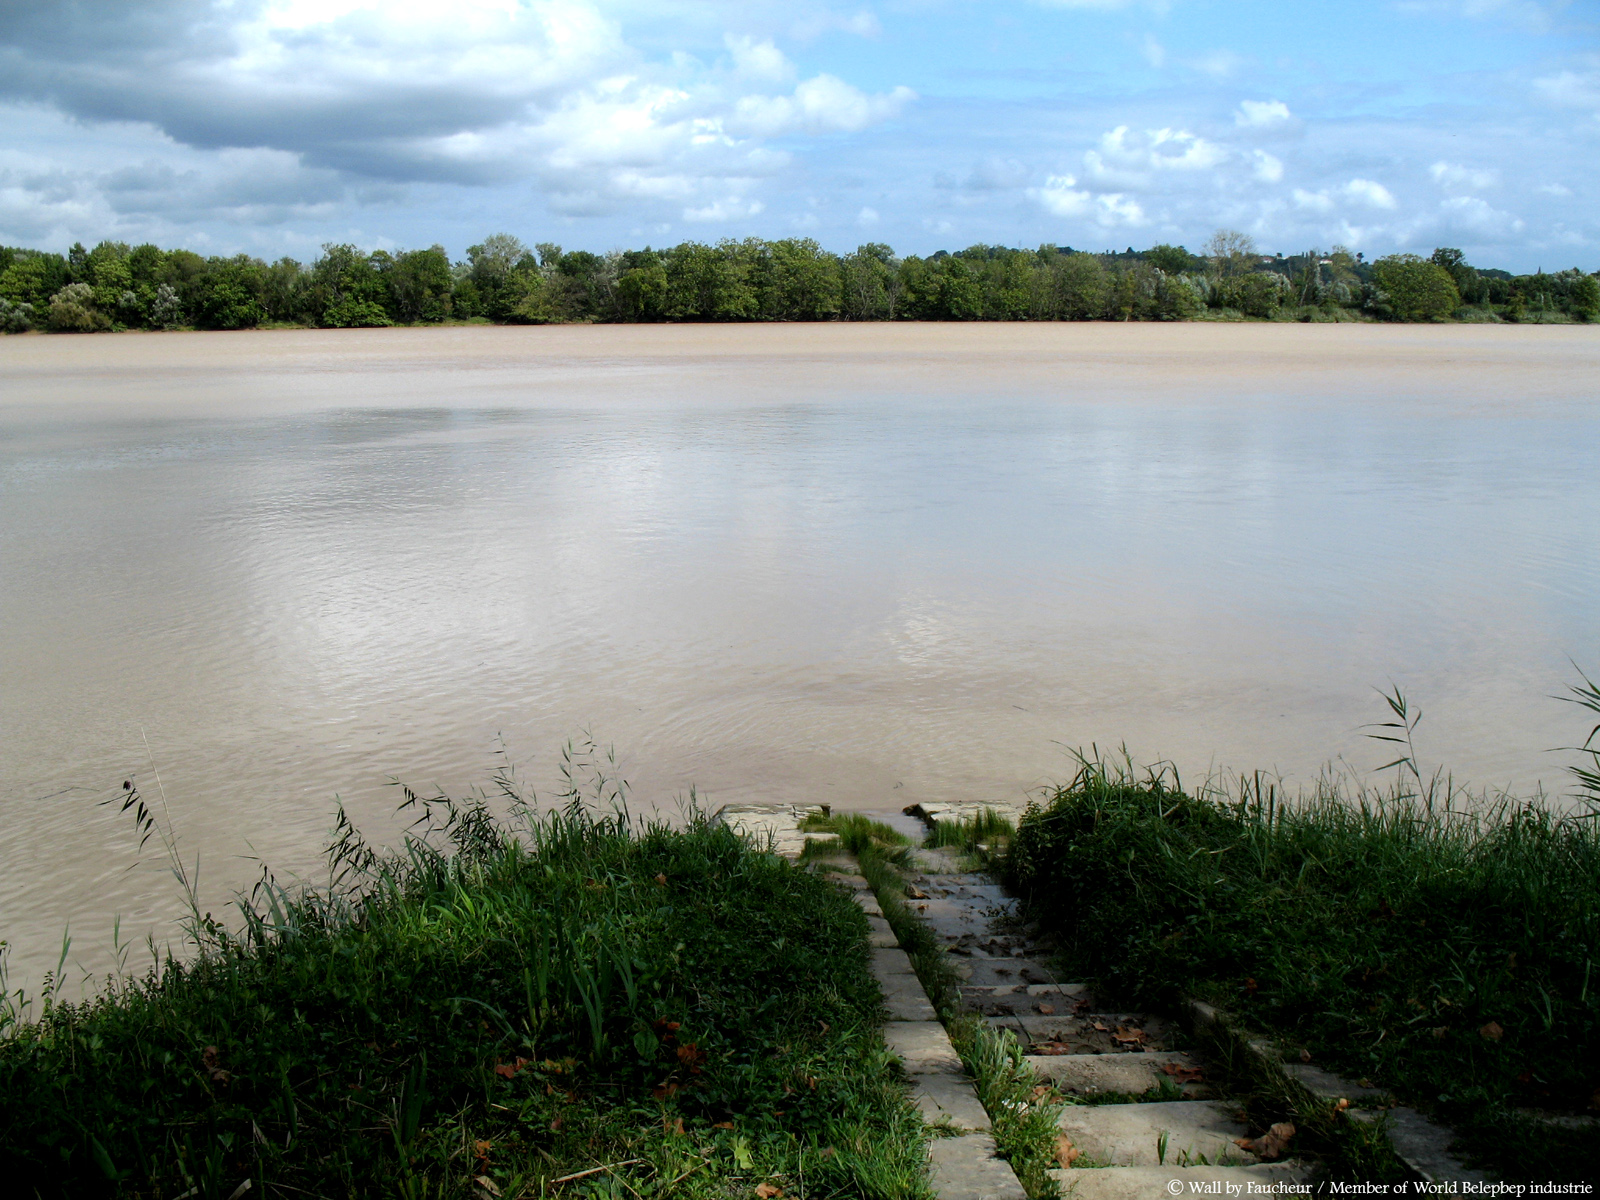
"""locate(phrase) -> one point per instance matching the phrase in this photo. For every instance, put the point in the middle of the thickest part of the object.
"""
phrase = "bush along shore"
(547, 1005)
(1446, 954)
(115, 286)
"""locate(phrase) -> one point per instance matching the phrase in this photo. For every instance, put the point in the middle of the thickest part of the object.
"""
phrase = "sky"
(274, 126)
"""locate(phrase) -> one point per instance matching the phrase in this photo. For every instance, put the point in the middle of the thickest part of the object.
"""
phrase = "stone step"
(1148, 1183)
(983, 971)
(1092, 1033)
(1131, 1135)
(1119, 1074)
(887, 961)
(869, 904)
(923, 1047)
(905, 1000)
(966, 1168)
(879, 934)
(950, 1099)
(1013, 990)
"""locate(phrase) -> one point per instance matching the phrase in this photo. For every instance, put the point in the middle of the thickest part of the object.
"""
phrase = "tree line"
(115, 286)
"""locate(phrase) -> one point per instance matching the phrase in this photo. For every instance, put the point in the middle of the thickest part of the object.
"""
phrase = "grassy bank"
(1452, 958)
(570, 1005)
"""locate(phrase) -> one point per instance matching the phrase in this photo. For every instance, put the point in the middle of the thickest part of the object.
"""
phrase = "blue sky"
(272, 126)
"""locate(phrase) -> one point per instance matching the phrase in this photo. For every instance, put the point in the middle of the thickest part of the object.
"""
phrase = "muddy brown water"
(858, 565)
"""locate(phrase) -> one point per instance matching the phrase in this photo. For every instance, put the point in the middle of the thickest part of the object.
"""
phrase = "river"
(858, 565)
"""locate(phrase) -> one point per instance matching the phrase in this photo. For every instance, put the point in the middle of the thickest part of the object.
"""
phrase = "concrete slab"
(906, 1001)
(1422, 1145)
(1131, 1135)
(965, 1168)
(1148, 1183)
(1097, 1074)
(950, 1099)
(869, 904)
(922, 1047)
(879, 934)
(887, 962)
(1325, 1085)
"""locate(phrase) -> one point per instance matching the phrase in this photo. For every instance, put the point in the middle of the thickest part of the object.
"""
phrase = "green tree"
(1416, 289)
(869, 284)
(228, 295)
(1081, 287)
(1231, 253)
(1173, 260)
(72, 310)
(420, 286)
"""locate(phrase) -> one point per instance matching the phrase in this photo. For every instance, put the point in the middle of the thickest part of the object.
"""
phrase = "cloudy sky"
(272, 126)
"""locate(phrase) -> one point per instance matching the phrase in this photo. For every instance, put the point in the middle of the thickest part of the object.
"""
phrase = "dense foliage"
(114, 286)
(1449, 957)
(681, 1005)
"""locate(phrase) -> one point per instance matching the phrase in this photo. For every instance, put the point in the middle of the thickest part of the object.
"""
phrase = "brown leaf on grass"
(555, 1125)
(487, 1184)
(768, 1191)
(509, 1070)
(675, 1126)
(1440, 1032)
(481, 1148)
(1251, 986)
(1270, 1144)
(1305, 1055)
(690, 1054)
(663, 1091)
(662, 879)
(1343, 1104)
(1066, 1152)
(722, 1125)
(1491, 1032)
(1183, 1074)
(211, 1060)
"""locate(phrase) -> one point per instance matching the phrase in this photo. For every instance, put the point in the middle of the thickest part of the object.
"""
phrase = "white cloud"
(1061, 197)
(1571, 89)
(822, 104)
(761, 60)
(1219, 64)
(1126, 158)
(867, 217)
(732, 208)
(1456, 177)
(1317, 202)
(1468, 214)
(1373, 195)
(1268, 168)
(1556, 189)
(1261, 114)
(1154, 52)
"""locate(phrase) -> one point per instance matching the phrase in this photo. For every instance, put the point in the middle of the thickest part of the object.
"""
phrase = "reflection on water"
(865, 603)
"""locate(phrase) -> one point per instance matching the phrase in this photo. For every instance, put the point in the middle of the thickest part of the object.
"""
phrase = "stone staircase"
(1186, 1143)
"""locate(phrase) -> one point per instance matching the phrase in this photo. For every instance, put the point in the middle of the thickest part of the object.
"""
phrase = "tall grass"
(1450, 953)
(502, 1005)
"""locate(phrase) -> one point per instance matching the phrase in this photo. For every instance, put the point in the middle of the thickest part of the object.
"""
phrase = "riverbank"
(573, 1005)
(1446, 958)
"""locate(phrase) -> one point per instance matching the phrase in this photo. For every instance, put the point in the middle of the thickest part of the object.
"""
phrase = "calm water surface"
(810, 590)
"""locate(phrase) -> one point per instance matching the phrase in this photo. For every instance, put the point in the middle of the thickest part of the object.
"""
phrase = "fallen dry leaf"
(722, 1125)
(1251, 986)
(1440, 1032)
(1182, 1073)
(1305, 1056)
(1048, 1010)
(1343, 1104)
(768, 1191)
(487, 1184)
(1491, 1032)
(1270, 1144)
(1051, 1048)
(211, 1059)
(662, 879)
(1099, 1028)
(1066, 1152)
(672, 1126)
(1128, 1036)
(915, 893)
